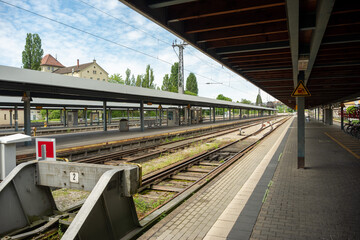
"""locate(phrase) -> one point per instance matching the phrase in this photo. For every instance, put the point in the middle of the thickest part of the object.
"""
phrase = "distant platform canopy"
(16, 81)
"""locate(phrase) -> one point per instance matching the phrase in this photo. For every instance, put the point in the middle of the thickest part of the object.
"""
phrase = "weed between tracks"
(65, 198)
(169, 159)
(144, 205)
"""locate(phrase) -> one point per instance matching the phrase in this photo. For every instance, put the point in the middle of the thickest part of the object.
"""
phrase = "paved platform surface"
(86, 138)
(319, 202)
(198, 215)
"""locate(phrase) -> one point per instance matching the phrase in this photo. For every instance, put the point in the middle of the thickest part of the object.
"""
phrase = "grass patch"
(67, 197)
(143, 207)
(169, 159)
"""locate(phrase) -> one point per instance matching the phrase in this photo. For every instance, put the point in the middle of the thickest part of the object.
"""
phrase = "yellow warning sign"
(301, 91)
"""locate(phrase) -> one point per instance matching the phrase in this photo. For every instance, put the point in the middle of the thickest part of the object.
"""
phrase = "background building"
(90, 70)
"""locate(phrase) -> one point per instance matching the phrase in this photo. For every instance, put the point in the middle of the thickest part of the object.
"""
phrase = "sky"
(117, 37)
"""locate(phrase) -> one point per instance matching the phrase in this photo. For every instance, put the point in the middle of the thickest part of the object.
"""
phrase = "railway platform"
(265, 196)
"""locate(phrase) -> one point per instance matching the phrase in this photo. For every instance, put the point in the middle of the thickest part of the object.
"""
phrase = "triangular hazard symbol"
(301, 91)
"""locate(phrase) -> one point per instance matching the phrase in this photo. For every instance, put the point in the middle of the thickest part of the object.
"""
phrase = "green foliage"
(284, 109)
(148, 78)
(258, 100)
(170, 83)
(32, 54)
(245, 101)
(166, 83)
(138, 80)
(351, 109)
(133, 82)
(53, 114)
(191, 84)
(190, 93)
(222, 97)
(116, 78)
(127, 78)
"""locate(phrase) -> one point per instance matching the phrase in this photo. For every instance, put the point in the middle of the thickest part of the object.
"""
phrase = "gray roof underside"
(14, 81)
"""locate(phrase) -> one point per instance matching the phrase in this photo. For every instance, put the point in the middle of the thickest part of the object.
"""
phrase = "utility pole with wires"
(181, 47)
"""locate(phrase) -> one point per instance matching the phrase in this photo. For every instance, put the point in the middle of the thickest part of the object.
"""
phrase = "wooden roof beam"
(292, 12)
(253, 47)
(168, 3)
(270, 15)
(248, 40)
(207, 8)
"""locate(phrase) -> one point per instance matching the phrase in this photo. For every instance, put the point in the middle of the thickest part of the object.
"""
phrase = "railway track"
(139, 155)
(136, 144)
(177, 178)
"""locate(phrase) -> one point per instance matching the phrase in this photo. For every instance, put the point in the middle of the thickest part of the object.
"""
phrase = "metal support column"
(16, 119)
(109, 117)
(167, 117)
(85, 116)
(301, 132)
(64, 112)
(128, 114)
(342, 116)
(301, 126)
(142, 122)
(214, 114)
(61, 116)
(156, 116)
(27, 122)
(230, 114)
(240, 113)
(160, 116)
(47, 117)
(223, 113)
(11, 122)
(104, 116)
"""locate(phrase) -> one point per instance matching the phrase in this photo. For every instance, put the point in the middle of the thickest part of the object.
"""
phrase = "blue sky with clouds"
(126, 34)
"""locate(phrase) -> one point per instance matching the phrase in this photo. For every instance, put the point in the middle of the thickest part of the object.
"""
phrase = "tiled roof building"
(90, 70)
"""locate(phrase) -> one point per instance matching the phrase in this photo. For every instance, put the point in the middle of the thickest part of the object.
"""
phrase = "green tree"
(190, 93)
(166, 83)
(127, 78)
(191, 84)
(170, 83)
(258, 99)
(148, 78)
(133, 82)
(32, 55)
(245, 101)
(138, 80)
(222, 97)
(116, 78)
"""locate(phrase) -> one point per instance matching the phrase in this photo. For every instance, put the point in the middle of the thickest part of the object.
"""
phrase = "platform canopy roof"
(265, 40)
(16, 81)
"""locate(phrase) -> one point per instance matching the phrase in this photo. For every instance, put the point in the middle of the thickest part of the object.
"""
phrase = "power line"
(118, 19)
(139, 29)
(105, 39)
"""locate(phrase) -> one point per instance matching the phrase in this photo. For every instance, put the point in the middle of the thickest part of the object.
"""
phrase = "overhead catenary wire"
(105, 39)
(149, 34)
(158, 39)
(126, 23)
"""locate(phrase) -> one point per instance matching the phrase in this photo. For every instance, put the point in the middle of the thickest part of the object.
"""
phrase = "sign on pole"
(301, 90)
(50, 146)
